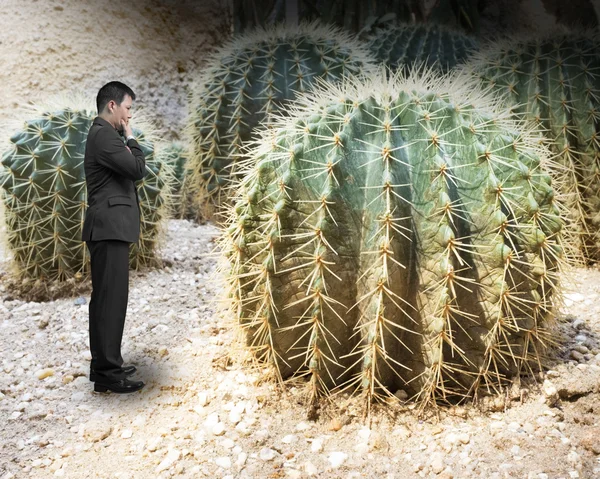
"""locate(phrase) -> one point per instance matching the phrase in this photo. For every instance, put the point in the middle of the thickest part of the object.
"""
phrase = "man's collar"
(101, 121)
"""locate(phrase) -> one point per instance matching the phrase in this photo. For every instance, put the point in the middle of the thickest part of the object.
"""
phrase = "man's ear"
(110, 106)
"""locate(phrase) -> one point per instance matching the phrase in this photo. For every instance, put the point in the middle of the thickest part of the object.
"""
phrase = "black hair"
(114, 90)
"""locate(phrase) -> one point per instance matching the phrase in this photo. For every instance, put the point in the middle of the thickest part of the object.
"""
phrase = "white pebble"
(223, 462)
(311, 469)
(317, 445)
(218, 429)
(241, 459)
(172, 456)
(289, 439)
(202, 399)
(336, 459)
(127, 433)
(228, 443)
(267, 454)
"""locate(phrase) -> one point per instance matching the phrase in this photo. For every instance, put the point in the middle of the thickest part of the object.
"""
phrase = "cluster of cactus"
(42, 181)
(554, 81)
(246, 83)
(396, 233)
(175, 154)
(404, 45)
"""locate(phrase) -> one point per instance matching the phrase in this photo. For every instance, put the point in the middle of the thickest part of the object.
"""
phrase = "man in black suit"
(112, 222)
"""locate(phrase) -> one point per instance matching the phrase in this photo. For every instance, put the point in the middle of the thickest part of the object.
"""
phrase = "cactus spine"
(396, 234)
(403, 45)
(247, 82)
(554, 81)
(44, 193)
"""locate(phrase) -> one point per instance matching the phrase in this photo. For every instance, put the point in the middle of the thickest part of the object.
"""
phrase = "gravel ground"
(202, 415)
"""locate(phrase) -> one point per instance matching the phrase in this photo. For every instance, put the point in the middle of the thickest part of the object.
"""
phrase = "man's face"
(121, 112)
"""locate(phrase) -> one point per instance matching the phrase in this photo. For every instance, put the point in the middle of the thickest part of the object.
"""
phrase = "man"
(112, 222)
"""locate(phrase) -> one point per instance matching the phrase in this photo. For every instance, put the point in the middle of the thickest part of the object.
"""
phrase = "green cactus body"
(404, 45)
(175, 154)
(396, 234)
(44, 194)
(247, 82)
(555, 82)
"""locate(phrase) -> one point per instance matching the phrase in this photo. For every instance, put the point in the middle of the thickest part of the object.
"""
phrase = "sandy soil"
(202, 415)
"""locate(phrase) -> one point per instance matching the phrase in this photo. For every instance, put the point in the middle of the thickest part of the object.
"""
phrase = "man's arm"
(114, 155)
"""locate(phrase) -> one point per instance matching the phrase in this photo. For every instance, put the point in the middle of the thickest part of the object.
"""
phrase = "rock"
(335, 424)
(401, 394)
(172, 456)
(289, 439)
(228, 443)
(67, 379)
(550, 393)
(163, 351)
(127, 433)
(43, 323)
(581, 348)
(241, 459)
(302, 426)
(317, 444)
(310, 469)
(437, 463)
(576, 355)
(464, 438)
(224, 462)
(80, 301)
(218, 429)
(336, 459)
(267, 454)
(44, 373)
(203, 399)
(97, 431)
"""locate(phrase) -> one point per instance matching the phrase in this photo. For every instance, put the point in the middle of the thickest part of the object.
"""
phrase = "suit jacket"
(111, 171)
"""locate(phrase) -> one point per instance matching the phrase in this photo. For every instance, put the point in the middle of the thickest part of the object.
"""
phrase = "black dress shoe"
(122, 386)
(128, 370)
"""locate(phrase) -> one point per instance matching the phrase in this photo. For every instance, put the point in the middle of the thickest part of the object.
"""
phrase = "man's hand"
(127, 131)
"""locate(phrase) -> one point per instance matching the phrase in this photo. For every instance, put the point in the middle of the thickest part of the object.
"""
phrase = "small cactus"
(42, 181)
(554, 81)
(404, 45)
(396, 234)
(247, 82)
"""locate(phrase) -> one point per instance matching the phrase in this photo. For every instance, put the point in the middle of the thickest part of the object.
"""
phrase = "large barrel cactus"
(397, 234)
(42, 180)
(249, 80)
(404, 45)
(554, 81)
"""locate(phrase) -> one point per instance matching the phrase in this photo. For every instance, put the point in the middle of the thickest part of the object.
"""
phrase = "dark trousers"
(108, 306)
